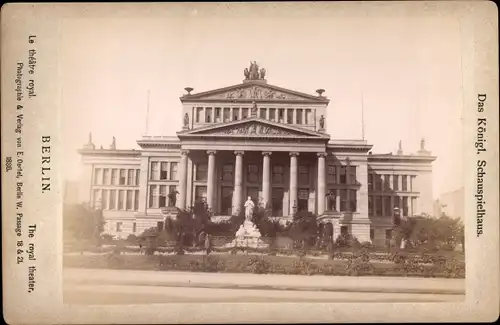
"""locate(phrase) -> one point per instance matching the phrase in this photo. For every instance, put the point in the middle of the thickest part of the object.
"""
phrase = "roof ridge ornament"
(253, 73)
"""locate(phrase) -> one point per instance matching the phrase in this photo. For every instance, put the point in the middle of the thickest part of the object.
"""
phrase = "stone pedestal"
(248, 236)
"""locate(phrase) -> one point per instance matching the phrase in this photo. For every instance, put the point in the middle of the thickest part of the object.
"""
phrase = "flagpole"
(362, 117)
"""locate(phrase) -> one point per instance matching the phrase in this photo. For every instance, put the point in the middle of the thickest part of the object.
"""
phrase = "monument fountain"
(248, 235)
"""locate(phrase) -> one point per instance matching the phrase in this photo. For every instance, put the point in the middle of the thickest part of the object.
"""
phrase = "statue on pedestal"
(113, 144)
(186, 120)
(249, 207)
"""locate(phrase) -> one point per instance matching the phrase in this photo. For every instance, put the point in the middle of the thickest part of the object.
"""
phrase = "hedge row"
(353, 265)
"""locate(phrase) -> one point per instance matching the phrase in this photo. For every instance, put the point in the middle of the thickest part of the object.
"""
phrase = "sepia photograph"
(251, 162)
(260, 160)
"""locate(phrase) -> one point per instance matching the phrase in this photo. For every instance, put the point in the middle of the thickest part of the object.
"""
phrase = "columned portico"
(238, 182)
(321, 183)
(211, 178)
(293, 182)
(266, 177)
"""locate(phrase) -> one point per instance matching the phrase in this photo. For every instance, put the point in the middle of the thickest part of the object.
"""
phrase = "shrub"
(258, 265)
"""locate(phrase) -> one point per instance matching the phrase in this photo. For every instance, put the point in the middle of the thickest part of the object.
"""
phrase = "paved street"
(92, 286)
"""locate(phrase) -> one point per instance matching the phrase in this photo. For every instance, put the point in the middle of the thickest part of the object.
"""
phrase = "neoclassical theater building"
(256, 140)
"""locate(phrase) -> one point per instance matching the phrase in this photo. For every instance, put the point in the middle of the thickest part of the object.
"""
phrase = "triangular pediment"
(253, 127)
(254, 90)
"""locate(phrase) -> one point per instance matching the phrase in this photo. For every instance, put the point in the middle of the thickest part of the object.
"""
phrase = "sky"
(403, 68)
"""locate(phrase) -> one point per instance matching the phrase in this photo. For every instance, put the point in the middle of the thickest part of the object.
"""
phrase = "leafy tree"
(82, 223)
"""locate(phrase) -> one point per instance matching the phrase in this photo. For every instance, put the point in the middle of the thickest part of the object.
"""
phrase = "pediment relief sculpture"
(255, 92)
(252, 129)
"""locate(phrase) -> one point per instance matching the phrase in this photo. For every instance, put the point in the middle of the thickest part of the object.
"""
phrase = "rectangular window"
(173, 171)
(129, 200)
(304, 175)
(370, 205)
(289, 116)
(114, 176)
(153, 196)
(277, 194)
(227, 172)
(272, 114)
(163, 170)
(97, 176)
(136, 200)
(160, 225)
(137, 176)
(199, 111)
(201, 172)
(405, 206)
(308, 117)
(303, 196)
(253, 173)
(104, 201)
(344, 230)
(130, 178)
(119, 226)
(262, 113)
(281, 115)
(331, 200)
(227, 114)
(244, 112)
(343, 177)
(372, 234)
(387, 182)
(112, 200)
(121, 200)
(217, 115)
(343, 200)
(331, 174)
(395, 183)
(172, 195)
(396, 202)
(200, 194)
(379, 183)
(208, 114)
(154, 170)
(370, 182)
(107, 176)
(134, 227)
(123, 176)
(378, 206)
(298, 116)
(278, 174)
(387, 206)
(236, 113)
(404, 181)
(352, 175)
(353, 200)
(163, 196)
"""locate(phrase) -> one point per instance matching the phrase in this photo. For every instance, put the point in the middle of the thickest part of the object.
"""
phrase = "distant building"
(262, 141)
(450, 204)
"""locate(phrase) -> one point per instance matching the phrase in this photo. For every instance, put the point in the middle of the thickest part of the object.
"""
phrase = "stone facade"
(262, 141)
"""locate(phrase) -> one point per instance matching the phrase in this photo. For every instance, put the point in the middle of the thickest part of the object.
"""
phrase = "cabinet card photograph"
(250, 162)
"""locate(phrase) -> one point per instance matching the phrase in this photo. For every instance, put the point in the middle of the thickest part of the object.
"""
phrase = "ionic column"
(238, 182)
(293, 182)
(337, 201)
(266, 177)
(321, 183)
(211, 178)
(400, 183)
(181, 203)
